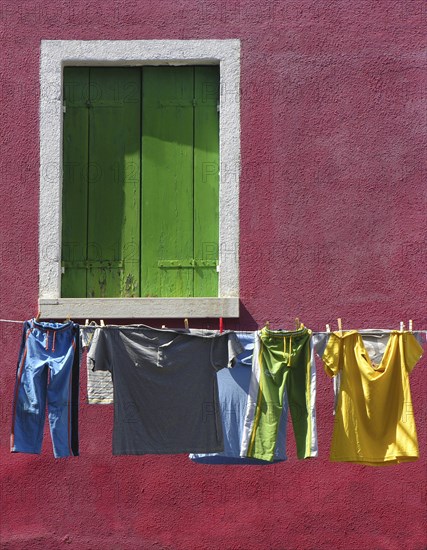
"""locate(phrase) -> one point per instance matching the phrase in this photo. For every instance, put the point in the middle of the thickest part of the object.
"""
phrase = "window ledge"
(128, 308)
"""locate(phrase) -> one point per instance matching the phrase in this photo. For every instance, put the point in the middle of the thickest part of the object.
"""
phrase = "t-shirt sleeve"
(100, 356)
(224, 349)
(412, 350)
(332, 356)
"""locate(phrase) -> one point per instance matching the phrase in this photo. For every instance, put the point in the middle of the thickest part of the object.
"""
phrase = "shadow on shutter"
(114, 182)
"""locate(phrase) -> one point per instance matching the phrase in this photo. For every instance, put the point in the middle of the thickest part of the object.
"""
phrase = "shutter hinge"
(192, 263)
(217, 106)
(64, 107)
(93, 264)
(194, 102)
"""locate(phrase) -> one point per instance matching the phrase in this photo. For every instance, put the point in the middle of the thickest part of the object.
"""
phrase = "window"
(139, 276)
(140, 182)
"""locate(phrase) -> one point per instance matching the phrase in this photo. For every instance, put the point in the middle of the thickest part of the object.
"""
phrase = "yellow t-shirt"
(374, 420)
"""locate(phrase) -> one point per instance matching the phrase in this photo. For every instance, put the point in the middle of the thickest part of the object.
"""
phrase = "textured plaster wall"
(333, 223)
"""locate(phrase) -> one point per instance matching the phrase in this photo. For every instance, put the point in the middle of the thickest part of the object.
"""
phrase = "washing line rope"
(420, 331)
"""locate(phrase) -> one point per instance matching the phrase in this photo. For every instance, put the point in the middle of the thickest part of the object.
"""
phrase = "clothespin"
(297, 323)
(39, 314)
(328, 328)
(67, 318)
(339, 324)
(186, 325)
(402, 326)
(267, 325)
(221, 325)
(87, 323)
(101, 322)
(164, 326)
(410, 325)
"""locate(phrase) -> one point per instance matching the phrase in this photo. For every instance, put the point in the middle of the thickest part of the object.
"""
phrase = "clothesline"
(419, 331)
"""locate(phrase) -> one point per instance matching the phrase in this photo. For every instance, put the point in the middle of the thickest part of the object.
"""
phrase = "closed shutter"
(114, 182)
(167, 180)
(206, 180)
(140, 182)
(74, 192)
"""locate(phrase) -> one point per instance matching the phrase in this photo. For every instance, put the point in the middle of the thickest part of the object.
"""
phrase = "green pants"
(282, 361)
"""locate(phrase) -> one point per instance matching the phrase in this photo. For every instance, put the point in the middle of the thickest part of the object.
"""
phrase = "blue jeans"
(48, 367)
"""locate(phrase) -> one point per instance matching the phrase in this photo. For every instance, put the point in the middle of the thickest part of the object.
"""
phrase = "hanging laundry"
(99, 383)
(233, 386)
(374, 421)
(86, 335)
(319, 341)
(48, 369)
(370, 337)
(165, 387)
(283, 361)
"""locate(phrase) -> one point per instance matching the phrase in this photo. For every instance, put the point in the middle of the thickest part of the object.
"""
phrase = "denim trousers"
(47, 371)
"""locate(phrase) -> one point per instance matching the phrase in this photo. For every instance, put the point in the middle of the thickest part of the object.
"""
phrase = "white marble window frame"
(55, 55)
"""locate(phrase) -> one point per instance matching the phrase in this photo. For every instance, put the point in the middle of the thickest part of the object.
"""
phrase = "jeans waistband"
(50, 326)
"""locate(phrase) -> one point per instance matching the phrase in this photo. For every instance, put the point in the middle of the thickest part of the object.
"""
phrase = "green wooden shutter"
(101, 183)
(180, 181)
(74, 192)
(167, 181)
(206, 180)
(114, 182)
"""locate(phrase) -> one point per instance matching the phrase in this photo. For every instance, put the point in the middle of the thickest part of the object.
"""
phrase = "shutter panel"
(74, 190)
(114, 182)
(206, 180)
(167, 182)
(114, 244)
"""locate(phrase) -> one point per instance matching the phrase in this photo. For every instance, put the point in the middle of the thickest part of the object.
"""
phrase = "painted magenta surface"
(333, 224)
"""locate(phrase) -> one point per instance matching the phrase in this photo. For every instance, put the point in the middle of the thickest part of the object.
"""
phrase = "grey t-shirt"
(165, 387)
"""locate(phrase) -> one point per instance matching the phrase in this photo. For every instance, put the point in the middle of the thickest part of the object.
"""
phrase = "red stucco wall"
(333, 223)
